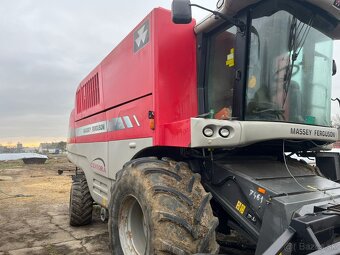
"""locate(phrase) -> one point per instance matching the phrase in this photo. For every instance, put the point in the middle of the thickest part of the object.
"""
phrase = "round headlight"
(208, 131)
(224, 132)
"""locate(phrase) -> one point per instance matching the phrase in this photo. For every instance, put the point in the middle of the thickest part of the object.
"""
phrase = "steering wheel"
(263, 107)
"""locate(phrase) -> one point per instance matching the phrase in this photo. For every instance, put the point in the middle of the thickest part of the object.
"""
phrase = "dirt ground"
(34, 212)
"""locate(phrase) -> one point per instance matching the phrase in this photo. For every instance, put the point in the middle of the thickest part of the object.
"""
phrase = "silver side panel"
(244, 133)
(101, 161)
(90, 155)
(123, 151)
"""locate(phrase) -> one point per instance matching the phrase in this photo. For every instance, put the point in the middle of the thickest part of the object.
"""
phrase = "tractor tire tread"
(177, 202)
(81, 203)
(162, 171)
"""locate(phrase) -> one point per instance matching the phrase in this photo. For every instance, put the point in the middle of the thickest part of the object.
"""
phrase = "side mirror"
(181, 11)
(334, 68)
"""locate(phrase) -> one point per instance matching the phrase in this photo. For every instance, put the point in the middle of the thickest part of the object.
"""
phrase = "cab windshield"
(289, 72)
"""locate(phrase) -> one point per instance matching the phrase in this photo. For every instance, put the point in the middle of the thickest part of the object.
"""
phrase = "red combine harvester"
(184, 130)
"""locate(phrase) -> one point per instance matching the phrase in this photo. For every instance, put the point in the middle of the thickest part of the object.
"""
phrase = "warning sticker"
(231, 58)
(252, 82)
(240, 207)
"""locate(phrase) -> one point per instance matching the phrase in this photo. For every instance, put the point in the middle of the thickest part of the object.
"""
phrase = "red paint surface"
(176, 134)
(161, 77)
(71, 138)
(138, 108)
(176, 85)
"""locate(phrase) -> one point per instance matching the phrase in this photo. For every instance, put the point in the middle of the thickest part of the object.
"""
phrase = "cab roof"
(233, 7)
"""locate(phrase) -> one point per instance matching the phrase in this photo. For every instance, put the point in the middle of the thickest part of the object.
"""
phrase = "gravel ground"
(36, 222)
(34, 213)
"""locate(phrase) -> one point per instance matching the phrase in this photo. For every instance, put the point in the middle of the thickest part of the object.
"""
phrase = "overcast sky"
(47, 47)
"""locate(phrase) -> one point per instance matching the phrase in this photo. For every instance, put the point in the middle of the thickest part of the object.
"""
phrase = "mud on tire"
(81, 203)
(160, 207)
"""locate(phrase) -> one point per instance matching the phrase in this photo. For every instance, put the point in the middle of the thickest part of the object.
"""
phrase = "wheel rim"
(103, 214)
(132, 227)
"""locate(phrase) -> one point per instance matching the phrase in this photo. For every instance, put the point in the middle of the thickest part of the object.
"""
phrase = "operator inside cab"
(290, 67)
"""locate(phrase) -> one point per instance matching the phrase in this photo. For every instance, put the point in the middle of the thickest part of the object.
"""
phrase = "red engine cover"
(152, 69)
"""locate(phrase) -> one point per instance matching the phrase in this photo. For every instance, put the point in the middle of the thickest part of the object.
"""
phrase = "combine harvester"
(183, 129)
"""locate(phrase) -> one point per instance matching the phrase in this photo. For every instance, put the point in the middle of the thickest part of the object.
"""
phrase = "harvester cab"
(275, 58)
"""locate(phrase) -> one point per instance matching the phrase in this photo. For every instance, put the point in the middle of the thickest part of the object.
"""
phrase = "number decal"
(256, 196)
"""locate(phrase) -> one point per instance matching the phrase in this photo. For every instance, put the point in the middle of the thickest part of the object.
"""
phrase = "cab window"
(221, 73)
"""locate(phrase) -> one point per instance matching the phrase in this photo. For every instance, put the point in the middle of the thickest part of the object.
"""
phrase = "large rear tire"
(81, 203)
(160, 207)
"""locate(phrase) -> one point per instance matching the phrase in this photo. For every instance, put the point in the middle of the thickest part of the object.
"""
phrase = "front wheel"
(160, 207)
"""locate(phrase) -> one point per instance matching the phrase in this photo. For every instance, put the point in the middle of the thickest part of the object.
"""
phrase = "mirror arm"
(233, 21)
(336, 99)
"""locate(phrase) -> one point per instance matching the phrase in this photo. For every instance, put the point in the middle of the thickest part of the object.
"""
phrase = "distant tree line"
(61, 145)
(55, 147)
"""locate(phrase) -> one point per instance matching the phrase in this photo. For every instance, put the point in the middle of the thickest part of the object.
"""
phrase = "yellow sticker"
(231, 58)
(252, 82)
(240, 207)
(104, 201)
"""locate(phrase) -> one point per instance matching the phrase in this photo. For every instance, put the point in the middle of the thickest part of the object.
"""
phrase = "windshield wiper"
(295, 46)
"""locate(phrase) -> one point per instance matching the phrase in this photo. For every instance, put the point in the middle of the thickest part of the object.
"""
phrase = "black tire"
(176, 214)
(81, 203)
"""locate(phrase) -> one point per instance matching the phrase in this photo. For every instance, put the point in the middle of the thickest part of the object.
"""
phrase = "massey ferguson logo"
(142, 36)
(98, 165)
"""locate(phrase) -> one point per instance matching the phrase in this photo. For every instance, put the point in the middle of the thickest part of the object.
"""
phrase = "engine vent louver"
(88, 94)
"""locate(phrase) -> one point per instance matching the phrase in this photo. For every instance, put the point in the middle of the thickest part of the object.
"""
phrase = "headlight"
(224, 132)
(208, 131)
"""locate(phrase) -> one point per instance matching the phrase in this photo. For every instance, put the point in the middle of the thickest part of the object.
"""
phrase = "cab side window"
(221, 72)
